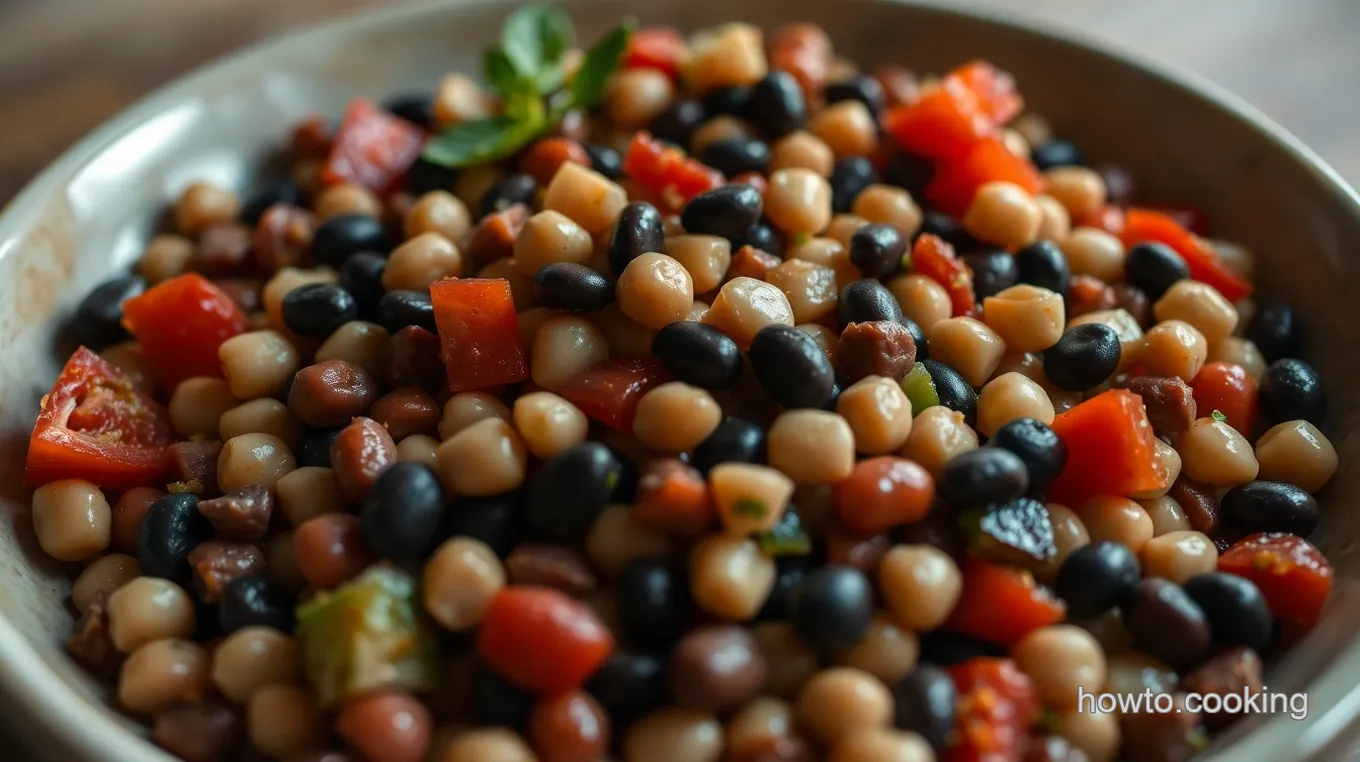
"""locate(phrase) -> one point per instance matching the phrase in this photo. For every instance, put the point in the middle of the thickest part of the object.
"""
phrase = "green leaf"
(479, 142)
(588, 86)
(500, 74)
(535, 36)
(1218, 415)
(751, 507)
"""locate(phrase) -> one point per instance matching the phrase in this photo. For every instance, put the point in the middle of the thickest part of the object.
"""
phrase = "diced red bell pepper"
(987, 161)
(478, 332)
(609, 391)
(1231, 390)
(1111, 450)
(1147, 225)
(671, 176)
(1294, 576)
(1191, 218)
(933, 257)
(95, 425)
(943, 124)
(543, 640)
(995, 706)
(659, 47)
(1002, 604)
(180, 323)
(372, 148)
(994, 88)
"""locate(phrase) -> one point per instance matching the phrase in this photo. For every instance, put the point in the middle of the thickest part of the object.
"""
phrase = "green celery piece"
(920, 389)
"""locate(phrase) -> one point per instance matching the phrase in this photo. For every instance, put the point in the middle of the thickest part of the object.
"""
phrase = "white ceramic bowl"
(89, 214)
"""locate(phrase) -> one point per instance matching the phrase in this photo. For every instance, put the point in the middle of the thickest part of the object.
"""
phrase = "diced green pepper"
(920, 389)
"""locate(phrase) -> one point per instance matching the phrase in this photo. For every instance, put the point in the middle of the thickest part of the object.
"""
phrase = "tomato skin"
(478, 332)
(1292, 574)
(372, 148)
(180, 323)
(883, 492)
(670, 176)
(95, 425)
(545, 157)
(994, 88)
(660, 47)
(1229, 389)
(1002, 604)
(1149, 225)
(934, 258)
(609, 392)
(1111, 449)
(942, 124)
(543, 640)
(987, 161)
(996, 704)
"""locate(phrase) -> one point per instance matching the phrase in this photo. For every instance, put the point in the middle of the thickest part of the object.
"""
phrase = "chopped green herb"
(1218, 415)
(787, 538)
(752, 508)
(612, 480)
(920, 389)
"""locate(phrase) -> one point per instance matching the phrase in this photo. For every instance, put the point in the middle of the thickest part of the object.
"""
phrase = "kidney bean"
(283, 238)
(750, 262)
(330, 393)
(1086, 294)
(572, 727)
(406, 411)
(391, 726)
(128, 513)
(245, 292)
(216, 564)
(555, 566)
(494, 237)
(223, 248)
(1166, 623)
(360, 452)
(863, 553)
(242, 515)
(1229, 672)
(411, 358)
(875, 348)
(717, 668)
(330, 550)
(1170, 403)
(207, 732)
(91, 643)
(1198, 503)
(196, 465)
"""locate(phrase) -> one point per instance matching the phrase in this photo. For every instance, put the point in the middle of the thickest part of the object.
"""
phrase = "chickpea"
(1116, 519)
(146, 609)
(1135, 672)
(880, 744)
(487, 745)
(967, 345)
(847, 128)
(791, 661)
(827, 252)
(166, 256)
(548, 423)
(1131, 338)
(1298, 453)
(1027, 318)
(674, 735)
(473, 182)
(890, 206)
(729, 577)
(589, 198)
(842, 700)
(1170, 461)
(1214, 453)
(1166, 514)
(1062, 659)
(261, 416)
(521, 285)
(887, 651)
(754, 726)
(746, 305)
(675, 417)
(1069, 533)
(843, 226)
(486, 458)
(802, 150)
(1095, 733)
(636, 96)
(732, 55)
(1200, 305)
(1080, 190)
(203, 205)
(750, 498)
(285, 280)
(439, 212)
(1009, 397)
(1033, 128)
(920, 585)
(72, 519)
(161, 674)
(810, 288)
(879, 414)
(416, 264)
(460, 99)
(825, 338)
(1028, 364)
(549, 237)
(252, 658)
(1094, 252)
(309, 492)
(938, 434)
(104, 575)
(461, 579)
(197, 404)
(1174, 348)
(1015, 142)
(1178, 556)
(1239, 351)
(253, 459)
(418, 448)
(798, 201)
(1004, 214)
(466, 408)
(717, 129)
(346, 198)
(922, 299)
(655, 290)
(283, 721)
(1235, 257)
(258, 364)
(812, 446)
(618, 538)
(358, 343)
(705, 257)
(1054, 222)
(564, 347)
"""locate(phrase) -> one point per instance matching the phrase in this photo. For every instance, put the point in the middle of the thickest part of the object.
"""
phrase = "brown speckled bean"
(362, 450)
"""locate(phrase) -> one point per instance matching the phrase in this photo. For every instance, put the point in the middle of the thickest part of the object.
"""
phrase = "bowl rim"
(50, 711)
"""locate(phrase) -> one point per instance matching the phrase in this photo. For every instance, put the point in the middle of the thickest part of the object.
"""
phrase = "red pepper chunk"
(372, 148)
(1002, 604)
(1229, 389)
(933, 257)
(671, 176)
(1111, 449)
(609, 391)
(543, 640)
(1147, 225)
(995, 706)
(955, 183)
(994, 88)
(943, 124)
(1292, 574)
(659, 47)
(95, 425)
(180, 323)
(478, 332)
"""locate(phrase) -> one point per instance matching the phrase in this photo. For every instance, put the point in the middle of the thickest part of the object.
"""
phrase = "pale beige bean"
(802, 150)
(258, 364)
(441, 212)
(879, 414)
(1027, 318)
(1170, 461)
(466, 408)
(842, 227)
(1131, 338)
(203, 205)
(746, 305)
(1239, 351)
(889, 205)
(922, 299)
(563, 348)
(842, 700)
(882, 745)
(420, 261)
(1174, 348)
(1009, 397)
(1166, 514)
(1079, 189)
(418, 448)
(346, 198)
(1069, 533)
(357, 342)
(812, 446)
(252, 658)
(938, 434)
(810, 288)
(197, 405)
(104, 575)
(1094, 733)
(888, 651)
(1062, 660)
(705, 257)
(675, 417)
(285, 280)
(460, 580)
(617, 538)
(163, 673)
(1135, 672)
(717, 129)
(635, 97)
(1116, 519)
(1094, 252)
(253, 459)
(1298, 453)
(731, 55)
(655, 290)
(548, 423)
(763, 722)
(283, 721)
(920, 585)
(798, 201)
(486, 458)
(309, 492)
(847, 128)
(1015, 142)
(1054, 221)
(460, 99)
(72, 519)
(674, 735)
(968, 346)
(1200, 305)
(262, 416)
(166, 256)
(521, 285)
(589, 198)
(729, 577)
(550, 237)
(750, 498)
(1178, 556)
(827, 252)
(1005, 214)
(1214, 453)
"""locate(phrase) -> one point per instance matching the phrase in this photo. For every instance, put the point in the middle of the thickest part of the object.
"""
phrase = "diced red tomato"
(883, 492)
(673, 497)
(1002, 604)
(180, 323)
(987, 161)
(1293, 575)
(933, 257)
(942, 124)
(995, 90)
(543, 640)
(995, 705)
(671, 176)
(95, 425)
(545, 157)
(1147, 225)
(1109, 218)
(1111, 449)
(659, 47)
(1231, 390)
(609, 391)
(372, 148)
(478, 332)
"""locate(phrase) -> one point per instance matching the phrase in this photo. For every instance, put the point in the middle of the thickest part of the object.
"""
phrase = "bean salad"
(683, 399)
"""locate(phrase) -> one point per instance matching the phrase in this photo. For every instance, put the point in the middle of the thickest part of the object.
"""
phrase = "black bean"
(604, 160)
(1097, 577)
(1275, 330)
(341, 237)
(867, 300)
(402, 513)
(497, 520)
(173, 527)
(572, 287)
(255, 602)
(789, 571)
(425, 176)
(625, 490)
(361, 275)
(993, 272)
(317, 309)
(860, 87)
(568, 493)
(698, 354)
(98, 319)
(728, 211)
(727, 101)
(735, 440)
(269, 193)
(1043, 264)
(498, 702)
(416, 108)
(831, 608)
(1084, 357)
(1237, 612)
(849, 178)
(629, 684)
(923, 702)
(918, 336)
(776, 106)
(1043, 453)
(944, 648)
(953, 390)
(1291, 391)
(1154, 267)
(678, 121)
(653, 605)
(506, 191)
(908, 171)
(316, 446)
(1166, 623)
(877, 250)
(982, 477)
(949, 229)
(638, 230)
(1055, 153)
(398, 309)
(734, 156)
(792, 367)
(761, 236)
(1265, 506)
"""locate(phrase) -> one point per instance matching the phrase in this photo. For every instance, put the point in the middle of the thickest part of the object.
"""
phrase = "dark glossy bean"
(1275, 330)
(1237, 612)
(572, 287)
(425, 176)
(716, 668)
(1084, 358)
(1165, 623)
(604, 160)
(497, 521)
(171, 529)
(983, 477)
(568, 493)
(638, 230)
(497, 701)
(1055, 153)
(908, 171)
(678, 121)
(1097, 577)
(953, 390)
(402, 512)
(777, 107)
(947, 228)
(1265, 506)
(269, 193)
(1043, 264)
(1290, 391)
(653, 605)
(698, 354)
(849, 178)
(416, 108)
(761, 236)
(727, 101)
(792, 367)
(734, 156)
(993, 272)
(1043, 453)
(316, 447)
(789, 571)
(361, 276)
(1154, 267)
(255, 602)
(398, 309)
(943, 648)
(626, 486)
(735, 440)
(831, 608)
(860, 87)
(98, 319)
(317, 309)
(877, 250)
(923, 702)
(867, 300)
(727, 212)
(629, 685)
(506, 191)
(341, 237)
(918, 336)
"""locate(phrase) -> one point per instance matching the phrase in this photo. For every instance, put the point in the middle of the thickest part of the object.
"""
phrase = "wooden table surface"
(67, 65)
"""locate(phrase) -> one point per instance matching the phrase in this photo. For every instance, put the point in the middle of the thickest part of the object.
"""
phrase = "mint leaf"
(479, 142)
(1218, 415)
(500, 74)
(587, 88)
(535, 36)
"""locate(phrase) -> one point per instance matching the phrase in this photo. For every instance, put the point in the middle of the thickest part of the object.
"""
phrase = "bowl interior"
(90, 214)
